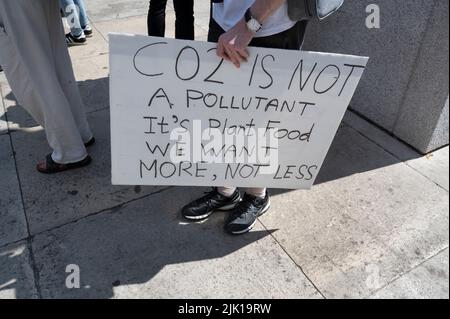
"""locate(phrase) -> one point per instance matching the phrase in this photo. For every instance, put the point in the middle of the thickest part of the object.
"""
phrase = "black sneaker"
(72, 41)
(88, 31)
(214, 201)
(243, 217)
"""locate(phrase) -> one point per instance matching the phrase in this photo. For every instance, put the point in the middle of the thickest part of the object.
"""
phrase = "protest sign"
(182, 116)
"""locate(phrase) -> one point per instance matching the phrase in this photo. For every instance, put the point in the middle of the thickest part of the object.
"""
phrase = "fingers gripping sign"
(232, 45)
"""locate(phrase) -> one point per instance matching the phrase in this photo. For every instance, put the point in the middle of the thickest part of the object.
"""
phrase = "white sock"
(257, 192)
(226, 191)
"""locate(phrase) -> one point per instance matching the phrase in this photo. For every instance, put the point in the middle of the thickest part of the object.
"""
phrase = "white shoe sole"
(75, 44)
(222, 209)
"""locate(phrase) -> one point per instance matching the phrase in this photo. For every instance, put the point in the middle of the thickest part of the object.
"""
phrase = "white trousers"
(35, 59)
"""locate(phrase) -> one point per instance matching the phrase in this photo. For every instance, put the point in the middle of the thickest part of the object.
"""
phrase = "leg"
(84, 21)
(184, 24)
(222, 198)
(18, 77)
(66, 76)
(256, 192)
(156, 19)
(37, 85)
(72, 13)
(227, 191)
(256, 201)
(215, 31)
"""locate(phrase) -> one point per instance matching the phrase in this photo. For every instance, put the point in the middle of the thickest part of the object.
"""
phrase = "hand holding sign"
(232, 45)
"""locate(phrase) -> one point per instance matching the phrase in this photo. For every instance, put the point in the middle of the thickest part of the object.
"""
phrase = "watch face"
(254, 25)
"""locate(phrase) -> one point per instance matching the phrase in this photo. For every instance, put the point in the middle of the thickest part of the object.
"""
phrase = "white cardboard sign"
(181, 116)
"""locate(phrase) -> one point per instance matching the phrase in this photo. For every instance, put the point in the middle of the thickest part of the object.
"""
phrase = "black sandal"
(51, 167)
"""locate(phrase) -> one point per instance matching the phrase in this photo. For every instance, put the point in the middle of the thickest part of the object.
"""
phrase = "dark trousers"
(291, 39)
(184, 24)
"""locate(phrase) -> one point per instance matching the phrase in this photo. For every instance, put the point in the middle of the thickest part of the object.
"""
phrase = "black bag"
(312, 9)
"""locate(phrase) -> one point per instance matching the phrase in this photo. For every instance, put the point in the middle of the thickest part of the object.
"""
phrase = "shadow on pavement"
(16, 274)
(115, 250)
(131, 244)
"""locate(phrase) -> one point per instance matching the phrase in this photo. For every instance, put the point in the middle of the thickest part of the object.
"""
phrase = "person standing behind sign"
(184, 23)
(37, 65)
(236, 24)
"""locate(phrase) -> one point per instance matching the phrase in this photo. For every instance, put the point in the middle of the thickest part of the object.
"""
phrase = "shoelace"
(242, 209)
(207, 198)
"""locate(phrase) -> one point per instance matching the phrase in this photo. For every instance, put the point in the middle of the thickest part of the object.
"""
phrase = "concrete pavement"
(375, 225)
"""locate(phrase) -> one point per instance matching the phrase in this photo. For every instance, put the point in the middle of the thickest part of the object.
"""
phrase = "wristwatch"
(252, 24)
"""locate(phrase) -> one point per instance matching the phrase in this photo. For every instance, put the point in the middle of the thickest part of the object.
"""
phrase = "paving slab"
(13, 225)
(433, 166)
(95, 45)
(367, 220)
(18, 118)
(138, 25)
(428, 281)
(202, 13)
(2, 77)
(3, 119)
(99, 10)
(52, 200)
(16, 273)
(144, 250)
(93, 81)
(132, 25)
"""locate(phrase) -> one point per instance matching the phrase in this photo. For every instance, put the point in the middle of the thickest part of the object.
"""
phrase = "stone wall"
(405, 87)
